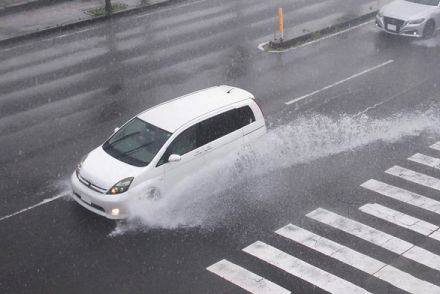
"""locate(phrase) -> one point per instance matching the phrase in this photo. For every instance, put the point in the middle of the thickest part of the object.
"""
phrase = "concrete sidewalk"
(26, 22)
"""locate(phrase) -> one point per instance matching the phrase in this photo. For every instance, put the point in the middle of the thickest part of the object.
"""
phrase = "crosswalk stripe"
(414, 177)
(245, 279)
(426, 160)
(377, 237)
(401, 219)
(435, 146)
(358, 260)
(402, 195)
(302, 270)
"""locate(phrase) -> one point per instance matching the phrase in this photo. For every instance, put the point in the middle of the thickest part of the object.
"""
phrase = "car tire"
(429, 29)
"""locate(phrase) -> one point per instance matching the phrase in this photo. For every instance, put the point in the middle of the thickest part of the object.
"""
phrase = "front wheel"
(429, 29)
(153, 193)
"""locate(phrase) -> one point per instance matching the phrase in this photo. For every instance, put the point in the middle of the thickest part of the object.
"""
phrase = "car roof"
(175, 113)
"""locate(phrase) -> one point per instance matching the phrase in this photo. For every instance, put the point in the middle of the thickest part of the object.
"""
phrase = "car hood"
(406, 10)
(104, 171)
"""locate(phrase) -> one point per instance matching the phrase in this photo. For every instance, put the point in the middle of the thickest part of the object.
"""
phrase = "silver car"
(415, 18)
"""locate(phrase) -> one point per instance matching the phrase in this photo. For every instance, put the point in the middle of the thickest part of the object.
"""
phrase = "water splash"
(197, 200)
(429, 43)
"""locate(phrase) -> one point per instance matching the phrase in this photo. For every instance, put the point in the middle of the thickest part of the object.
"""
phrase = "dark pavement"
(61, 96)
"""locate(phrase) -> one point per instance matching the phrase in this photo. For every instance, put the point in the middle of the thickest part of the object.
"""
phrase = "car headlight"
(416, 21)
(79, 165)
(380, 14)
(121, 186)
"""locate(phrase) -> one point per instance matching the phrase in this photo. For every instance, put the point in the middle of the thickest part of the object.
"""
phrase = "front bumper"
(408, 30)
(99, 203)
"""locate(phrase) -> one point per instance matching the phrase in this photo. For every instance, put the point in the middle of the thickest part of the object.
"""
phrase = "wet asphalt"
(62, 95)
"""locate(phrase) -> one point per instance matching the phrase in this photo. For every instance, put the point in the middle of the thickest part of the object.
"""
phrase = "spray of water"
(429, 43)
(196, 201)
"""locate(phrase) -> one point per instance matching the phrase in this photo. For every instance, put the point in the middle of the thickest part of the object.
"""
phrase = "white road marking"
(379, 238)
(398, 218)
(426, 160)
(245, 279)
(360, 261)
(389, 98)
(435, 146)
(162, 10)
(315, 41)
(51, 65)
(74, 33)
(340, 82)
(402, 195)
(45, 201)
(414, 177)
(302, 270)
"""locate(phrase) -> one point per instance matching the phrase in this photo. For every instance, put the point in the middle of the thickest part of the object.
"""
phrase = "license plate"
(392, 27)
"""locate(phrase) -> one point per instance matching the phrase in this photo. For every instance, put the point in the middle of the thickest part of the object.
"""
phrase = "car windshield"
(426, 2)
(136, 143)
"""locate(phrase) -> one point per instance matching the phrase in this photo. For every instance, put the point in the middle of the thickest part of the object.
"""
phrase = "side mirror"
(174, 158)
(116, 129)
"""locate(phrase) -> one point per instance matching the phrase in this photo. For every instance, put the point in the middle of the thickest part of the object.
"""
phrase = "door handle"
(208, 148)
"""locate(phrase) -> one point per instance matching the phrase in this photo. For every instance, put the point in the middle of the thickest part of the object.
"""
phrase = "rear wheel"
(429, 29)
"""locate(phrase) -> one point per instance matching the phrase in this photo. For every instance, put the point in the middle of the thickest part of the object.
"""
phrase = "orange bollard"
(280, 17)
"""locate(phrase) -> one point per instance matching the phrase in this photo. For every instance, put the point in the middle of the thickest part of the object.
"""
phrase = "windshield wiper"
(133, 150)
(122, 138)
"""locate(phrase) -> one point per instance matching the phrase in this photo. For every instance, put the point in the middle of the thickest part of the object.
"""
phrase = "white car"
(158, 147)
(415, 18)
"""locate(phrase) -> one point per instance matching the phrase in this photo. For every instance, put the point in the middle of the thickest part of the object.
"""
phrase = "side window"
(184, 143)
(245, 116)
(224, 123)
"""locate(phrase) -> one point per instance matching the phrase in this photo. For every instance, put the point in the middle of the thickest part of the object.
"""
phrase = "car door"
(191, 158)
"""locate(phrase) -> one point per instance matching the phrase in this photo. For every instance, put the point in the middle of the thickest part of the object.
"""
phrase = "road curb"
(86, 22)
(286, 44)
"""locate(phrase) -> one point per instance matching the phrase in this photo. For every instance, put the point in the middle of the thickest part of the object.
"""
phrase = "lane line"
(51, 66)
(45, 201)
(402, 195)
(414, 177)
(245, 279)
(435, 146)
(73, 33)
(365, 263)
(302, 270)
(399, 218)
(426, 160)
(376, 105)
(164, 10)
(340, 82)
(379, 238)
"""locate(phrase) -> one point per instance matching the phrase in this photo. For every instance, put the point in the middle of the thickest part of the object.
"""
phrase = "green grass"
(100, 11)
